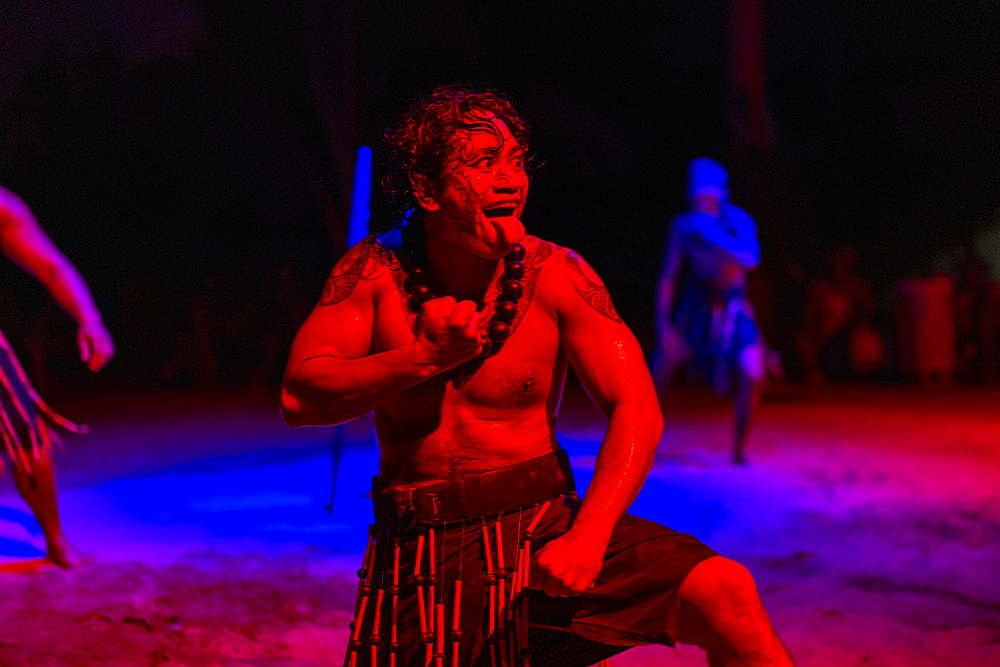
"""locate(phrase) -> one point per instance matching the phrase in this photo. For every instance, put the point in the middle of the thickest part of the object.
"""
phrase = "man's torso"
(460, 423)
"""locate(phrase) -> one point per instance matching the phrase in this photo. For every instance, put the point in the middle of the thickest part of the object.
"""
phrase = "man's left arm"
(608, 360)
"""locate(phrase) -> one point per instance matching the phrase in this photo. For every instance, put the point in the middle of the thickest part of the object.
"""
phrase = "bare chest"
(502, 386)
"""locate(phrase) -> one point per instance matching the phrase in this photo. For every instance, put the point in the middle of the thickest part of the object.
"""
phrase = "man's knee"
(718, 582)
(722, 613)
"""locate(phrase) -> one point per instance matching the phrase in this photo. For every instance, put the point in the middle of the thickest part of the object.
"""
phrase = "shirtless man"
(708, 320)
(456, 330)
(27, 423)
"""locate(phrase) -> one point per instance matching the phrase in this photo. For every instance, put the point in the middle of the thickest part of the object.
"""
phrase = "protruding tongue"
(504, 231)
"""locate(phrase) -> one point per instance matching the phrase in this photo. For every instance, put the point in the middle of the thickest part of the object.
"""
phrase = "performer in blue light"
(703, 315)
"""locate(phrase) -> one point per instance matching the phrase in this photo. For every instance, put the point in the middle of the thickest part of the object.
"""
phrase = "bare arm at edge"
(25, 242)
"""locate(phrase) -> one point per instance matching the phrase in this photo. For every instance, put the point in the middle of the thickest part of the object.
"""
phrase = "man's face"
(477, 203)
(706, 200)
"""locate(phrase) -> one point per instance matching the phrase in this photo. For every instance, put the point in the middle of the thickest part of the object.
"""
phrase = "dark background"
(193, 158)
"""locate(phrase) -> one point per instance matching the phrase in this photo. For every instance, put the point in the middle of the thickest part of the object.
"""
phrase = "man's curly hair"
(421, 140)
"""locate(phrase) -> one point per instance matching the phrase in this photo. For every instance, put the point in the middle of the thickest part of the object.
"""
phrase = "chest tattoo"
(532, 267)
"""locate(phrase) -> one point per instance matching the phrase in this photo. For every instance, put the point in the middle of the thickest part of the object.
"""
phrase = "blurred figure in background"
(27, 424)
(838, 339)
(703, 315)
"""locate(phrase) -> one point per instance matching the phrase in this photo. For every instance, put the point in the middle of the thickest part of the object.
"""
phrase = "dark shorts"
(635, 599)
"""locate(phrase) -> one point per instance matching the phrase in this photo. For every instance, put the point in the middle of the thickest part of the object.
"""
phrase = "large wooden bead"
(516, 253)
(506, 310)
(421, 293)
(512, 289)
(513, 270)
(499, 331)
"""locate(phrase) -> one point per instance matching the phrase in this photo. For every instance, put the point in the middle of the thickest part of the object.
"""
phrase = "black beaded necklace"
(504, 310)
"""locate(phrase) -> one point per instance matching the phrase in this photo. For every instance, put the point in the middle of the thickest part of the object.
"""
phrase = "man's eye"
(484, 162)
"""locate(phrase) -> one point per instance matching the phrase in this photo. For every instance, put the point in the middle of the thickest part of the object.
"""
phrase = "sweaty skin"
(363, 351)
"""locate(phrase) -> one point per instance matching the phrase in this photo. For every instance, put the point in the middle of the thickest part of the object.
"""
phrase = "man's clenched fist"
(450, 330)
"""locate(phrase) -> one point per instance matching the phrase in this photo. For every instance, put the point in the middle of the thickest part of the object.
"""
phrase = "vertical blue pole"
(357, 229)
(361, 213)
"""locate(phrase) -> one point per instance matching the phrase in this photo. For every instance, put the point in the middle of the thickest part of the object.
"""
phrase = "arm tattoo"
(596, 296)
(367, 263)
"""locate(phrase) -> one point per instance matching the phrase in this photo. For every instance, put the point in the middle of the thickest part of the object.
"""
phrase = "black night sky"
(189, 155)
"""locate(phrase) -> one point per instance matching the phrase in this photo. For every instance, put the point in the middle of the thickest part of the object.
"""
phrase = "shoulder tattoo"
(365, 262)
(542, 253)
(596, 296)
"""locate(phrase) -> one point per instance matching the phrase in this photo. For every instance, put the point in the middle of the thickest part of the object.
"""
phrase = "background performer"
(709, 321)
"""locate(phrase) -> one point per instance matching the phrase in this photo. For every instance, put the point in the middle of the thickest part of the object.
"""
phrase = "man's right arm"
(332, 375)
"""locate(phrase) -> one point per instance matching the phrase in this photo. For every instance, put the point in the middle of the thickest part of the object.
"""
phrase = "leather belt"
(484, 494)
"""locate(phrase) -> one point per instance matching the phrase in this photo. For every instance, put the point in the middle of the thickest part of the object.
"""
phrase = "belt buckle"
(404, 504)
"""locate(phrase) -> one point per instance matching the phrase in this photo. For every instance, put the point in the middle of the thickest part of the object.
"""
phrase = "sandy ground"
(870, 517)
